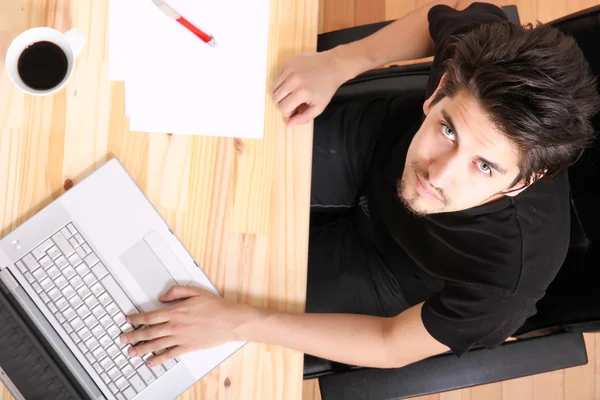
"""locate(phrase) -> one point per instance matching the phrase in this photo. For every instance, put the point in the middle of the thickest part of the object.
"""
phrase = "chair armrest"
(448, 372)
(329, 40)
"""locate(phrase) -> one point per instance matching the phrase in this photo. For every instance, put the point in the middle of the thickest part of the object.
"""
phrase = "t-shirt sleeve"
(465, 316)
(446, 22)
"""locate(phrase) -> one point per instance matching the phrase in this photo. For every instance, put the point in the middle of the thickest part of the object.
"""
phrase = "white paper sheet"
(175, 83)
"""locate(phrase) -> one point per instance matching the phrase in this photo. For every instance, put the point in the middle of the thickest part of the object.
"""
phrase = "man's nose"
(444, 170)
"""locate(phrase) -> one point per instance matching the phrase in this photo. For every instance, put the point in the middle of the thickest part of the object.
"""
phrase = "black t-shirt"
(480, 271)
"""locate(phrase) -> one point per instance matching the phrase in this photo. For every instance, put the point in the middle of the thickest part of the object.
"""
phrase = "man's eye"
(447, 131)
(483, 167)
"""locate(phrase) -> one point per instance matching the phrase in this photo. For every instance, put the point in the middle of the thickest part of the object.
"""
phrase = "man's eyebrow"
(492, 164)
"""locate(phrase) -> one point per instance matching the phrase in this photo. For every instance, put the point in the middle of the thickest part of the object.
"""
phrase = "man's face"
(457, 159)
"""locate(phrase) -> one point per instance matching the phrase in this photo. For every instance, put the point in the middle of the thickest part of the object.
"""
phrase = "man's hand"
(201, 320)
(306, 84)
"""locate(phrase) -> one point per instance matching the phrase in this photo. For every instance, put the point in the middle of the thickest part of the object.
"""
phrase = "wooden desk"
(240, 206)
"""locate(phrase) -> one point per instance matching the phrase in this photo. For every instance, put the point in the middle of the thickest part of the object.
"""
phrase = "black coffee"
(43, 65)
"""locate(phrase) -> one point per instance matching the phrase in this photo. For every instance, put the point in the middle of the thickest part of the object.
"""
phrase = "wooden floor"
(572, 384)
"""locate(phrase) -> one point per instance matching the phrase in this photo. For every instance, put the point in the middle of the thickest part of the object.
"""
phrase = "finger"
(179, 292)
(152, 346)
(149, 318)
(146, 334)
(170, 354)
(304, 116)
(280, 79)
(284, 90)
(293, 101)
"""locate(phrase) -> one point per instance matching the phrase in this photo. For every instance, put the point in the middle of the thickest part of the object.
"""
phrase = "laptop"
(69, 276)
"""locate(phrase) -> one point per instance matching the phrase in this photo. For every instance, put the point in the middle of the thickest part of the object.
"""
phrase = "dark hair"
(535, 85)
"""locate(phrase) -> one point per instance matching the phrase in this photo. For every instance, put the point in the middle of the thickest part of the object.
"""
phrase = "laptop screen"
(25, 359)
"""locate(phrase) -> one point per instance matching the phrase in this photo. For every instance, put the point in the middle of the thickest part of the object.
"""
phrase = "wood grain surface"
(240, 206)
(580, 383)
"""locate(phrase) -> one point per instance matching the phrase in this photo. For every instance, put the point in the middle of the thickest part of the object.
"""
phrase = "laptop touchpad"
(149, 273)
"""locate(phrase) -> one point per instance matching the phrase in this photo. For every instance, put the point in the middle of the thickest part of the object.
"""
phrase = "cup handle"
(76, 39)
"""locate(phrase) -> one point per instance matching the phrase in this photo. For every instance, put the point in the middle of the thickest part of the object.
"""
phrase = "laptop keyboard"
(91, 308)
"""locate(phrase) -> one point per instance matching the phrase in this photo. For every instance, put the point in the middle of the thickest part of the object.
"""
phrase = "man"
(448, 228)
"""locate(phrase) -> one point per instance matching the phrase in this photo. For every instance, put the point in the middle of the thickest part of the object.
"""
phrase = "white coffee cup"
(70, 42)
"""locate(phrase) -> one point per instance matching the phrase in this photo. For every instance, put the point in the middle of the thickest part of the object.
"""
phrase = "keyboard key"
(21, 266)
(98, 331)
(53, 252)
(97, 289)
(100, 354)
(105, 378)
(158, 370)
(72, 229)
(89, 279)
(76, 301)
(53, 272)
(120, 396)
(146, 374)
(67, 327)
(70, 313)
(29, 277)
(83, 311)
(121, 383)
(118, 295)
(54, 294)
(47, 284)
(112, 386)
(40, 251)
(121, 361)
(92, 344)
(91, 302)
(114, 374)
(60, 318)
(106, 363)
(90, 321)
(76, 282)
(66, 233)
(80, 252)
(119, 319)
(113, 351)
(113, 331)
(46, 262)
(106, 341)
(104, 299)
(39, 274)
(82, 270)
(74, 337)
(52, 308)
(69, 272)
(129, 393)
(60, 282)
(68, 291)
(128, 371)
(84, 292)
(126, 328)
(77, 323)
(44, 297)
(79, 239)
(106, 321)
(98, 368)
(62, 243)
(112, 309)
(98, 311)
(74, 243)
(36, 286)
(87, 248)
(137, 362)
(61, 262)
(85, 334)
(30, 262)
(82, 347)
(99, 270)
(90, 358)
(90, 260)
(137, 382)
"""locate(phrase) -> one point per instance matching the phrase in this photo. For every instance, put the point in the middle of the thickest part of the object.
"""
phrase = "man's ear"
(427, 104)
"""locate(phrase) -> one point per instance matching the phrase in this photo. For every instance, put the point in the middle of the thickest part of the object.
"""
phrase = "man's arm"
(205, 320)
(351, 339)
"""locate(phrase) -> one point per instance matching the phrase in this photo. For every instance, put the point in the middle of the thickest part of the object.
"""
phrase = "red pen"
(170, 12)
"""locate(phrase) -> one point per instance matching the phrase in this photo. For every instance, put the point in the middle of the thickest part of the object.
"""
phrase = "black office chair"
(550, 340)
